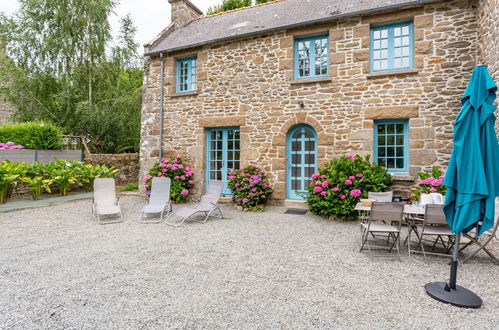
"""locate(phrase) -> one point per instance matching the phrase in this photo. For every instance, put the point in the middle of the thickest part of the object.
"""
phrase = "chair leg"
(422, 247)
(178, 224)
(364, 236)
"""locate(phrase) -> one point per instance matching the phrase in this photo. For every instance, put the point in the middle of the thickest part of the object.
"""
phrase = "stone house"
(290, 84)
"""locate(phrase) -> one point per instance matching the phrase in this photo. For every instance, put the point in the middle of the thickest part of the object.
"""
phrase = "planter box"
(44, 156)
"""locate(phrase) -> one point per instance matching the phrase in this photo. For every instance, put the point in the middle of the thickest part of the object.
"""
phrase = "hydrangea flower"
(317, 189)
(323, 193)
(335, 189)
(343, 196)
(355, 193)
(348, 182)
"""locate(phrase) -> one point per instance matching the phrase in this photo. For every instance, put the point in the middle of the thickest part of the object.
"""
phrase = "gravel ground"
(60, 269)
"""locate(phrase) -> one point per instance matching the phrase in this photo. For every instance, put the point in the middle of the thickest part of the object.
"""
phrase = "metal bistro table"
(412, 214)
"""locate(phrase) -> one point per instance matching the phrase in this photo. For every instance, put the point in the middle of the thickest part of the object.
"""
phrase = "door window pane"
(223, 153)
(302, 149)
(391, 148)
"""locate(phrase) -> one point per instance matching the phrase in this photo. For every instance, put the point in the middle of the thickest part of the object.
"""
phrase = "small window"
(187, 73)
(312, 57)
(392, 47)
(391, 145)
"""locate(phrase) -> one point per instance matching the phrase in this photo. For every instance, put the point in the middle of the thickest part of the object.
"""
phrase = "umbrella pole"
(451, 293)
(453, 265)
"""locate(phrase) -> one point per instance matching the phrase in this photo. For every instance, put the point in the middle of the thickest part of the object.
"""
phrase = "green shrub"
(32, 135)
(62, 174)
(341, 183)
(174, 169)
(86, 174)
(9, 176)
(250, 187)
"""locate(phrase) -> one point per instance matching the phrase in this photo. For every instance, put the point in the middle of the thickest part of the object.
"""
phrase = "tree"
(229, 5)
(61, 67)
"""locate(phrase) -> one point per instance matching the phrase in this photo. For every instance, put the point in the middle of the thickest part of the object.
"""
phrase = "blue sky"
(149, 16)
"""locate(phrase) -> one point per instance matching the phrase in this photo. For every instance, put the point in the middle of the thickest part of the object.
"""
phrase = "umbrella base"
(459, 297)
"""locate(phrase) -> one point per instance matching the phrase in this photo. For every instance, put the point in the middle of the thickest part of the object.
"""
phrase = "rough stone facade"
(127, 164)
(183, 11)
(488, 46)
(249, 83)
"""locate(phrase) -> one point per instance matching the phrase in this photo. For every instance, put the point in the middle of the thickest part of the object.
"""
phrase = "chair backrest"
(213, 193)
(434, 215)
(160, 191)
(215, 187)
(381, 196)
(437, 198)
(383, 211)
(104, 191)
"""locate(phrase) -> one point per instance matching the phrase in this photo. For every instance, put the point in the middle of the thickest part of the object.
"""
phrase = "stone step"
(295, 204)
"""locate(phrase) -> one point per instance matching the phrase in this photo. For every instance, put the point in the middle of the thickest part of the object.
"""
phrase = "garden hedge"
(32, 135)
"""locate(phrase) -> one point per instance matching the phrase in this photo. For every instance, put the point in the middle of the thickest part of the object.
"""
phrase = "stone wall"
(249, 83)
(488, 37)
(127, 164)
(183, 11)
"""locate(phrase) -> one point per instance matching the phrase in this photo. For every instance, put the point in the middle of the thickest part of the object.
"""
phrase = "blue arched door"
(301, 160)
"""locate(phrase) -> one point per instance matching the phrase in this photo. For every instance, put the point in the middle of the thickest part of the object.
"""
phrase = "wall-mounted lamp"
(302, 104)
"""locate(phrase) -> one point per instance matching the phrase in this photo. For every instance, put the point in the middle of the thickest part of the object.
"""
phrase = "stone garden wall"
(128, 164)
(249, 83)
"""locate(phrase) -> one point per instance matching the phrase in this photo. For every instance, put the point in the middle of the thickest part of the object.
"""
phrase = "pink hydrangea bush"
(180, 175)
(340, 184)
(428, 183)
(10, 146)
(250, 187)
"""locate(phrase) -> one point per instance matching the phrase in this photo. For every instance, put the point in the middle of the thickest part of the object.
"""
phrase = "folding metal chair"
(105, 203)
(385, 218)
(159, 201)
(208, 205)
(386, 196)
(434, 225)
(482, 244)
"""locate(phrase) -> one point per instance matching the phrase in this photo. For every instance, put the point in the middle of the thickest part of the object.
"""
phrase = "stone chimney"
(183, 11)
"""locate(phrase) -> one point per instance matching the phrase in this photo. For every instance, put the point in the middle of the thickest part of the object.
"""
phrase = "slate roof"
(269, 17)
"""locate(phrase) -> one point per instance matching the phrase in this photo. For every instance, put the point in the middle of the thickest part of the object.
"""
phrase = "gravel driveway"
(59, 269)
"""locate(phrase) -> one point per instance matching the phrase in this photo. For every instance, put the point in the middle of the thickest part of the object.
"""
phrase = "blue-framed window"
(311, 57)
(187, 74)
(301, 160)
(391, 145)
(222, 153)
(392, 47)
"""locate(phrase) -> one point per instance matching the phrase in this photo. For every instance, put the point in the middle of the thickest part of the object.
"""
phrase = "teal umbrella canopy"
(472, 177)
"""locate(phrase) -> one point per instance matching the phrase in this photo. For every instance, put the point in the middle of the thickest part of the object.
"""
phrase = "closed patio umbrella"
(472, 178)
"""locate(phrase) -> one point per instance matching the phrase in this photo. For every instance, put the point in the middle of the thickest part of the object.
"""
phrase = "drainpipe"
(161, 105)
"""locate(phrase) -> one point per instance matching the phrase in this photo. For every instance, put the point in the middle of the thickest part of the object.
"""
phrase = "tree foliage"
(227, 5)
(62, 67)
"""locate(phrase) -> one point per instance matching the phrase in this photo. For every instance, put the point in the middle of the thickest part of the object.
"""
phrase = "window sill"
(401, 177)
(392, 73)
(310, 81)
(184, 94)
